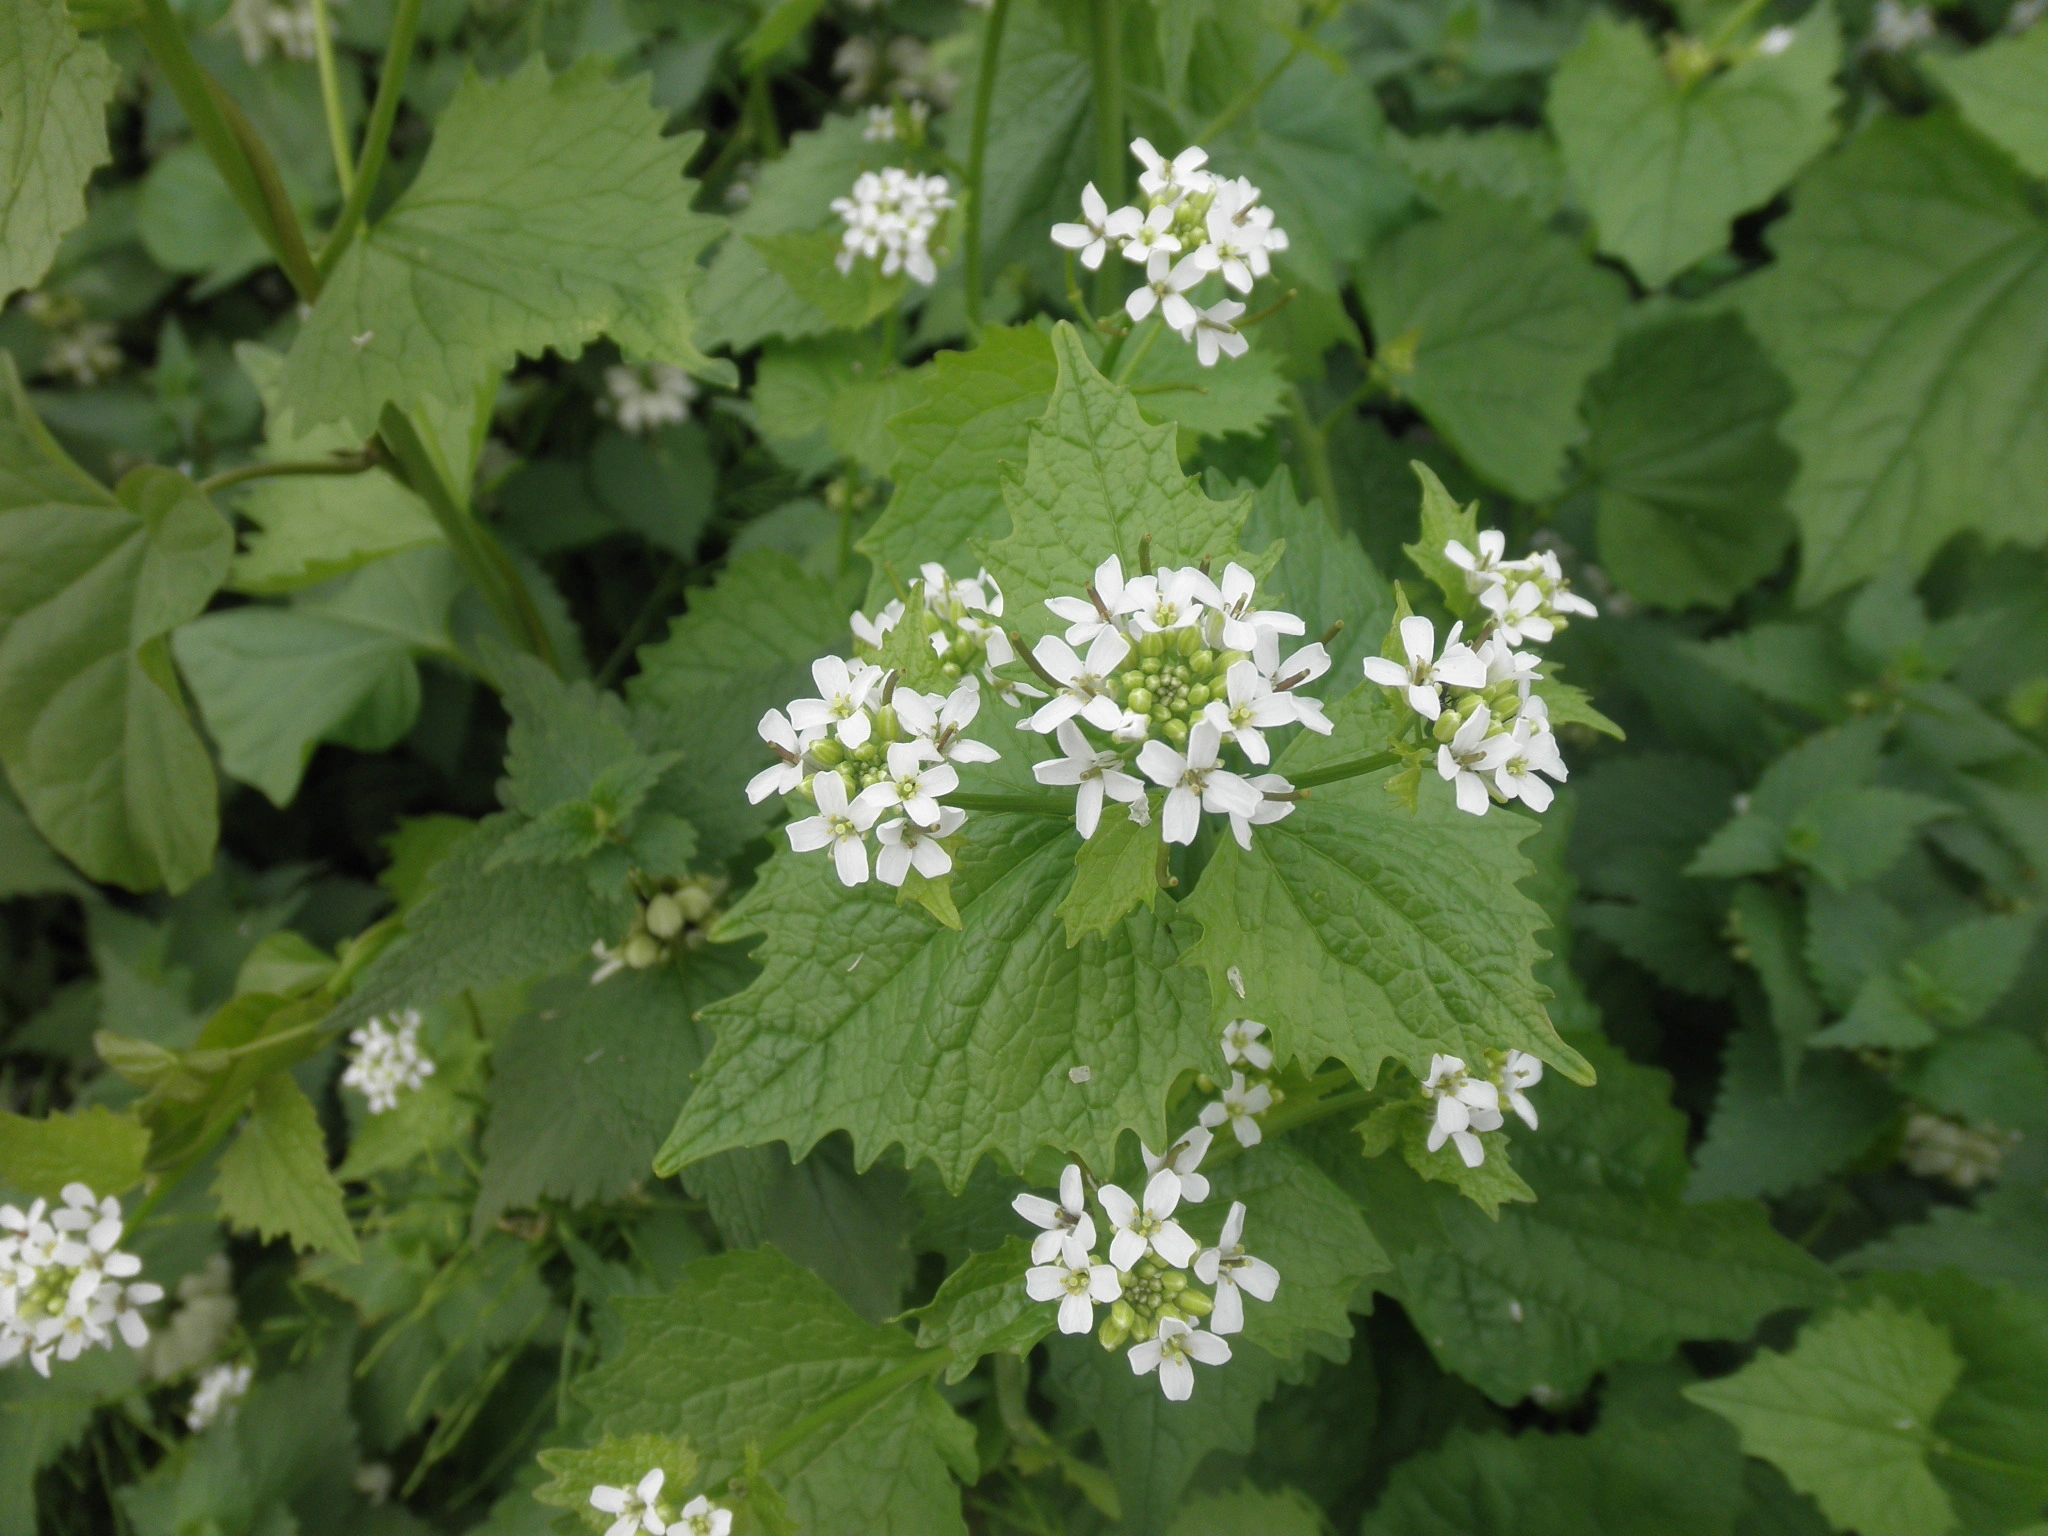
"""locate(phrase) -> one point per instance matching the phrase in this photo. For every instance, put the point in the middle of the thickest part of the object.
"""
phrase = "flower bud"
(696, 903)
(664, 917)
(1115, 1330)
(1152, 647)
(1446, 726)
(1187, 641)
(1176, 731)
(869, 751)
(1174, 1281)
(828, 751)
(887, 727)
(1198, 696)
(1133, 679)
(1195, 1303)
(1202, 663)
(1139, 699)
(641, 951)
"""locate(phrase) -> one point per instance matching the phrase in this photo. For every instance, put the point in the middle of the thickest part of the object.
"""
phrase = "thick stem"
(330, 97)
(977, 156)
(405, 28)
(340, 464)
(1357, 767)
(1109, 126)
(1022, 805)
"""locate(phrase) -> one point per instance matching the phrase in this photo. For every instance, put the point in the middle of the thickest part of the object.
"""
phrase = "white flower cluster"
(64, 1284)
(1469, 1106)
(218, 1395)
(644, 397)
(1176, 668)
(1492, 730)
(1194, 224)
(84, 355)
(902, 120)
(890, 218)
(1959, 1154)
(963, 620)
(640, 1508)
(388, 1061)
(284, 27)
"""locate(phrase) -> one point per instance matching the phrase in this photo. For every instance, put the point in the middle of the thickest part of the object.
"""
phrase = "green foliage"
(54, 89)
(1998, 90)
(1115, 873)
(273, 1178)
(95, 1147)
(982, 1308)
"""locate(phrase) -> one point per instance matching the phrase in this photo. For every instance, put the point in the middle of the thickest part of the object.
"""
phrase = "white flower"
(1153, 237)
(1243, 625)
(644, 396)
(1093, 774)
(1517, 612)
(1504, 663)
(218, 1394)
(890, 219)
(1558, 594)
(1194, 783)
(1086, 620)
(1894, 28)
(843, 691)
(1170, 1353)
(1084, 686)
(1068, 1218)
(1165, 289)
(1098, 227)
(783, 777)
(388, 1061)
(1213, 330)
(1239, 249)
(1243, 1047)
(1184, 1157)
(1427, 672)
(1776, 41)
(913, 785)
(940, 723)
(1147, 1226)
(1076, 1282)
(1532, 750)
(872, 632)
(1482, 567)
(907, 846)
(1276, 803)
(1248, 707)
(1302, 667)
(1469, 756)
(1170, 599)
(1465, 1105)
(285, 27)
(1172, 179)
(839, 825)
(701, 1517)
(1240, 1106)
(1231, 1270)
(88, 353)
(635, 1507)
(61, 1280)
(1520, 1071)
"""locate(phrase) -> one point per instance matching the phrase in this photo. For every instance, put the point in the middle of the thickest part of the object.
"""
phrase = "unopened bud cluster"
(670, 917)
(964, 622)
(1466, 1105)
(65, 1284)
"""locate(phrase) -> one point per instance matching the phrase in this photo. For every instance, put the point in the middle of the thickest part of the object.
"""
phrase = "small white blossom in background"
(373, 1480)
(1233, 1271)
(701, 1517)
(644, 397)
(65, 1287)
(905, 120)
(1776, 41)
(1960, 1155)
(195, 1332)
(388, 1061)
(85, 355)
(1239, 1108)
(1465, 1107)
(890, 218)
(638, 1508)
(284, 27)
(1242, 1046)
(218, 1395)
(1896, 28)
(1518, 1072)
(1194, 226)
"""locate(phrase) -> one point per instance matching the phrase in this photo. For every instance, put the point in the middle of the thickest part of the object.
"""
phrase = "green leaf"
(1345, 951)
(981, 1309)
(2001, 1242)
(54, 91)
(745, 646)
(1607, 1265)
(274, 1180)
(1902, 308)
(1518, 164)
(93, 729)
(1663, 166)
(870, 1018)
(972, 418)
(1442, 521)
(488, 255)
(92, 1146)
(1847, 1414)
(827, 392)
(614, 1463)
(28, 865)
(750, 1350)
(1683, 449)
(1323, 574)
(565, 736)
(1950, 982)
(1240, 394)
(1998, 88)
(1491, 324)
(1406, 1124)
(1115, 873)
(1249, 1512)
(1848, 836)
(849, 301)
(1771, 932)
(273, 683)
(1098, 481)
(781, 24)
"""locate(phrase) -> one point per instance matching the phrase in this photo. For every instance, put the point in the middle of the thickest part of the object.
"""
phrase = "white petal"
(1207, 1348)
(1228, 1316)
(1259, 1277)
(1172, 1243)
(1176, 1379)
(1077, 1313)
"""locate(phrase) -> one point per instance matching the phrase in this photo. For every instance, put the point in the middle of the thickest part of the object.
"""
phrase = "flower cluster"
(218, 1395)
(83, 352)
(388, 1060)
(890, 218)
(1466, 1107)
(640, 1508)
(1194, 225)
(287, 28)
(1174, 668)
(1959, 1154)
(961, 618)
(670, 915)
(1494, 740)
(64, 1284)
(1250, 1092)
(644, 397)
(903, 120)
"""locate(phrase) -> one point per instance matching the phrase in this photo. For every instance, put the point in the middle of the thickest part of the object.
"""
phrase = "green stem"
(1130, 366)
(1315, 453)
(244, 164)
(482, 558)
(1023, 805)
(1737, 19)
(1351, 402)
(1110, 147)
(1357, 767)
(1250, 96)
(330, 97)
(650, 610)
(2012, 1469)
(405, 28)
(1074, 295)
(977, 156)
(340, 464)
(930, 1363)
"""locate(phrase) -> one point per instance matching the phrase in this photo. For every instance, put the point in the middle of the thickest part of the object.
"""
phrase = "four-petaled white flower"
(1184, 1157)
(1505, 664)
(1182, 174)
(1465, 1106)
(1084, 686)
(701, 1517)
(1062, 1219)
(907, 846)
(1098, 227)
(1532, 749)
(1544, 565)
(1276, 803)
(1243, 1047)
(1076, 1282)
(839, 825)
(1469, 756)
(843, 690)
(783, 777)
(1231, 1270)
(1242, 624)
(1520, 1071)
(1239, 1108)
(940, 723)
(1194, 783)
(1170, 1352)
(1153, 237)
(1517, 612)
(1170, 599)
(635, 1507)
(1213, 331)
(1248, 707)
(1147, 1226)
(872, 632)
(1093, 775)
(1085, 619)
(913, 786)
(1483, 566)
(1426, 672)
(1166, 286)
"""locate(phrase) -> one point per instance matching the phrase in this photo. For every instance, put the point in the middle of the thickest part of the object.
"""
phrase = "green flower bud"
(951, 669)
(869, 751)
(1187, 641)
(664, 917)
(1225, 660)
(1152, 646)
(1174, 1281)
(1202, 663)
(887, 727)
(1139, 699)
(1195, 1303)
(1198, 696)
(829, 751)
(1176, 730)
(641, 951)
(1446, 726)
(695, 902)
